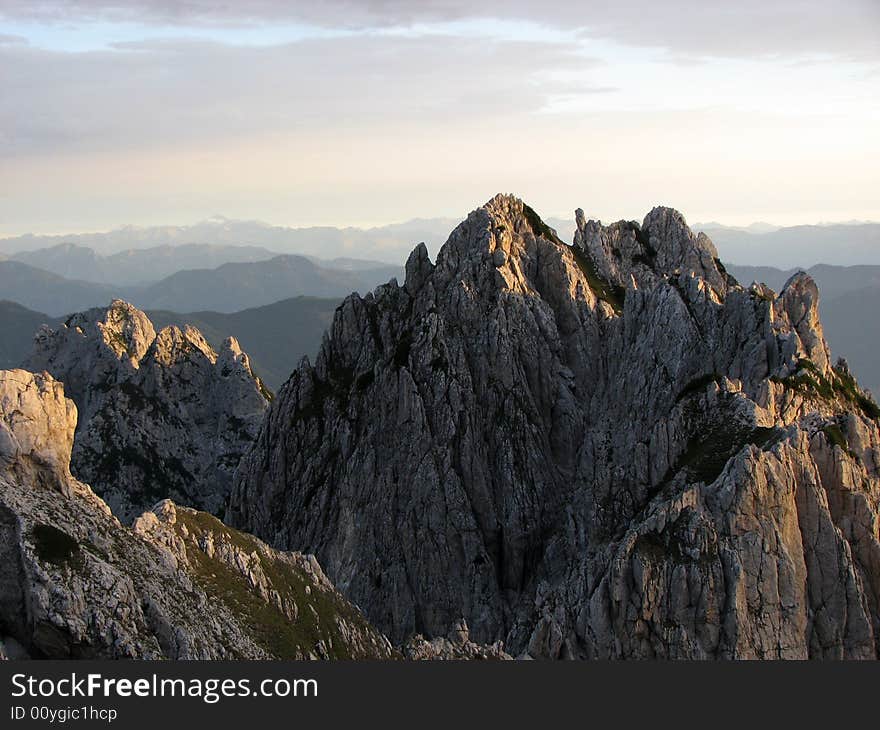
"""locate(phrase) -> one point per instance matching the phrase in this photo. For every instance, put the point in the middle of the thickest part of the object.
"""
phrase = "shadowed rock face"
(75, 583)
(604, 450)
(160, 415)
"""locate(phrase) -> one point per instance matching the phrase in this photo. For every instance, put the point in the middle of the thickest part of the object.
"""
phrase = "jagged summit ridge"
(160, 414)
(609, 449)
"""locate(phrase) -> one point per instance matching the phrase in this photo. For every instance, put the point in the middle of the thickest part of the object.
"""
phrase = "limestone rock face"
(160, 415)
(610, 449)
(76, 583)
(36, 431)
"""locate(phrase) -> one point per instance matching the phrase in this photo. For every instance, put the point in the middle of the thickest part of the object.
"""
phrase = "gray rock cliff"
(610, 449)
(161, 415)
(76, 583)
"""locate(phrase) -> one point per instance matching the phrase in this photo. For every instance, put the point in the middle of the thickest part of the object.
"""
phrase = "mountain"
(757, 227)
(136, 266)
(854, 329)
(384, 243)
(228, 288)
(43, 291)
(160, 414)
(848, 293)
(604, 450)
(76, 584)
(348, 264)
(233, 287)
(17, 327)
(832, 280)
(838, 244)
(276, 336)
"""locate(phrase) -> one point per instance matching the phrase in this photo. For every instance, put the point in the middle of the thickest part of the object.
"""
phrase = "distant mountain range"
(386, 243)
(17, 327)
(44, 291)
(136, 266)
(233, 287)
(840, 244)
(143, 266)
(227, 288)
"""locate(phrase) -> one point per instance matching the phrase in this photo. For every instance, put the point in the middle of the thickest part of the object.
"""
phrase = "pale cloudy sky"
(347, 112)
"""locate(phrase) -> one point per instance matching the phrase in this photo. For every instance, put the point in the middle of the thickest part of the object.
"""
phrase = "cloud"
(178, 92)
(399, 108)
(686, 28)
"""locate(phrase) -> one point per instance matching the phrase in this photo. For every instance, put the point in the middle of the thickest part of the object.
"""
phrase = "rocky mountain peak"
(160, 415)
(125, 329)
(610, 449)
(626, 253)
(174, 345)
(232, 358)
(798, 304)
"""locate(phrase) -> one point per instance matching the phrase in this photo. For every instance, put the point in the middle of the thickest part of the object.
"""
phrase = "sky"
(365, 112)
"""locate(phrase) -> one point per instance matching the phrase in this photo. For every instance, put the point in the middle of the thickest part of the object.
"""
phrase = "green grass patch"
(810, 381)
(607, 292)
(708, 452)
(836, 437)
(669, 545)
(271, 628)
(539, 228)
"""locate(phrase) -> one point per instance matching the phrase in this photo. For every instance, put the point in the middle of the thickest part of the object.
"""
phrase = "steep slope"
(848, 294)
(74, 583)
(609, 449)
(161, 415)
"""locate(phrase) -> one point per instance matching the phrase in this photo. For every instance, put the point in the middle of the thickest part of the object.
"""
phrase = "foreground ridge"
(609, 449)
(75, 583)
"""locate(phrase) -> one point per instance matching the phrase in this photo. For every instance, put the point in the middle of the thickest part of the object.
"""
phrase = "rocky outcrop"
(160, 415)
(457, 646)
(610, 449)
(75, 583)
